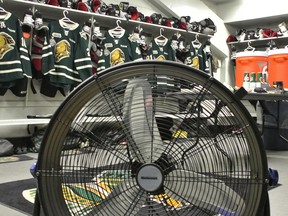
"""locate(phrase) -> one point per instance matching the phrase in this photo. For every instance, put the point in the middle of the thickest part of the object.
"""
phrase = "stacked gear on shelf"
(130, 12)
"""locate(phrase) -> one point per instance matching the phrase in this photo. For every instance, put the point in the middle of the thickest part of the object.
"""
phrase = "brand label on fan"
(149, 177)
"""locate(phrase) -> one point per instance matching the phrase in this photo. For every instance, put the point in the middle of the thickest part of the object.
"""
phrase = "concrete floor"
(276, 159)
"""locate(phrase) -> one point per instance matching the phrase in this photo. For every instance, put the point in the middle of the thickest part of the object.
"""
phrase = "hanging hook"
(196, 38)
(161, 30)
(118, 23)
(65, 12)
(196, 41)
(249, 47)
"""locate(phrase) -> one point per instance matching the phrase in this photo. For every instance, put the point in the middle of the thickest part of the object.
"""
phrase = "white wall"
(13, 107)
(236, 10)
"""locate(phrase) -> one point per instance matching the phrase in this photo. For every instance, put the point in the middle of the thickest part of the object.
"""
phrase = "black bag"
(37, 138)
(6, 148)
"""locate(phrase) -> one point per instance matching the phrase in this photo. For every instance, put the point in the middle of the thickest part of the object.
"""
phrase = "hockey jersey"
(196, 57)
(14, 57)
(161, 49)
(66, 59)
(118, 48)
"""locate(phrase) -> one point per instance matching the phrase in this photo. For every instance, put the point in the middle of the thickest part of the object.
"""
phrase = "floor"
(276, 159)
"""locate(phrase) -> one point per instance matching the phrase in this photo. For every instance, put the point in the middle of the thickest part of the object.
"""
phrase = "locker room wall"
(237, 10)
(12, 107)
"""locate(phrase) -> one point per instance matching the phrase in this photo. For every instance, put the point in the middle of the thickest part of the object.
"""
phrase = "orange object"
(247, 62)
(26, 35)
(278, 66)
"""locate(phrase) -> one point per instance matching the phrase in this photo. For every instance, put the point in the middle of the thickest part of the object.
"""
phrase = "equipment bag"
(6, 148)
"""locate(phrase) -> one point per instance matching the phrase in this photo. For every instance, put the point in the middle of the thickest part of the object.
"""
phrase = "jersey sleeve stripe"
(25, 57)
(10, 62)
(65, 75)
(23, 50)
(11, 70)
(82, 59)
(66, 68)
(83, 67)
(47, 54)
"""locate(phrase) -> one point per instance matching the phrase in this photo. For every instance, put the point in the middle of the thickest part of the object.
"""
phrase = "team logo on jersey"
(6, 44)
(161, 58)
(117, 57)
(196, 62)
(62, 50)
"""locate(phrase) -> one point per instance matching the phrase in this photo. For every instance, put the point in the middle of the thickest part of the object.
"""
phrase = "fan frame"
(62, 119)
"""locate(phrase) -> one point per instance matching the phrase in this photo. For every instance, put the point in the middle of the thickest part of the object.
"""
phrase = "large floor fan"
(152, 138)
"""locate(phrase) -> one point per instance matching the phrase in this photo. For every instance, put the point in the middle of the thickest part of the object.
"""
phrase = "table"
(263, 98)
(266, 96)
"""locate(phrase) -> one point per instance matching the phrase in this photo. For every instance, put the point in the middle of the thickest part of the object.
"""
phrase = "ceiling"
(215, 4)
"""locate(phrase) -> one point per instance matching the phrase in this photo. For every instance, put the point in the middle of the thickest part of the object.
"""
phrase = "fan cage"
(85, 155)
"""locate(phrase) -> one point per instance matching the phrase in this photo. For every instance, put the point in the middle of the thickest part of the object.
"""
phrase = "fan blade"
(125, 199)
(204, 192)
(146, 144)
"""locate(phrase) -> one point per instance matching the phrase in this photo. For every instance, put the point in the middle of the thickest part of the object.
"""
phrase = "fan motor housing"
(150, 177)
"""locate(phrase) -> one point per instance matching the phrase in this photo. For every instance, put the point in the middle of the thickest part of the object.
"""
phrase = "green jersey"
(161, 50)
(66, 59)
(14, 57)
(118, 48)
(196, 57)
